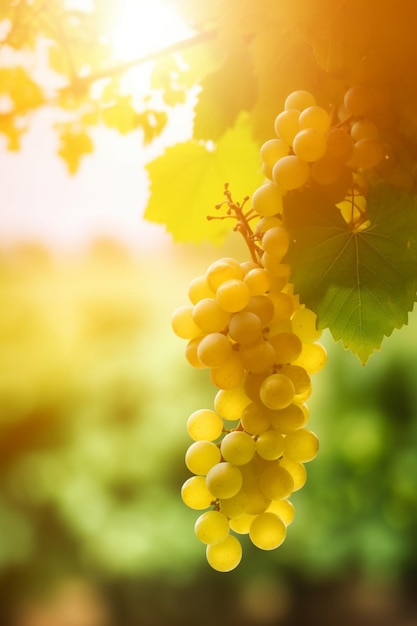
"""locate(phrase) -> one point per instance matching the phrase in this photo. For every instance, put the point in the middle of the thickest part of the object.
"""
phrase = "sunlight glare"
(145, 26)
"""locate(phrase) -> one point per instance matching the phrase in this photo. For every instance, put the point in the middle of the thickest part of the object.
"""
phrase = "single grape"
(367, 154)
(204, 425)
(224, 480)
(245, 328)
(309, 145)
(270, 445)
(339, 144)
(288, 419)
(287, 346)
(304, 325)
(229, 403)
(195, 494)
(313, 357)
(237, 447)
(301, 445)
(360, 101)
(255, 418)
(286, 125)
(201, 456)
(233, 295)
(214, 349)
(209, 316)
(272, 150)
(284, 509)
(364, 129)
(299, 378)
(277, 391)
(224, 556)
(191, 352)
(267, 531)
(183, 324)
(229, 374)
(258, 281)
(234, 507)
(296, 470)
(211, 527)
(314, 117)
(300, 100)
(199, 289)
(275, 481)
(291, 172)
(222, 270)
(258, 358)
(241, 524)
(276, 241)
(267, 200)
(257, 501)
(262, 307)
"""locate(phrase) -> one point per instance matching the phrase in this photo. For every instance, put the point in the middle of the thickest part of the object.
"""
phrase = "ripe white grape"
(296, 470)
(267, 531)
(276, 241)
(195, 494)
(284, 509)
(286, 125)
(225, 556)
(233, 295)
(234, 507)
(313, 357)
(191, 352)
(214, 349)
(267, 200)
(245, 328)
(209, 316)
(270, 445)
(229, 374)
(287, 346)
(259, 358)
(241, 524)
(237, 447)
(201, 456)
(277, 391)
(360, 100)
(255, 418)
(314, 117)
(304, 325)
(339, 144)
(275, 481)
(211, 527)
(183, 324)
(222, 270)
(272, 150)
(367, 154)
(291, 172)
(299, 378)
(300, 100)
(262, 307)
(204, 424)
(288, 419)
(199, 289)
(309, 145)
(224, 480)
(257, 501)
(301, 445)
(258, 281)
(229, 403)
(364, 129)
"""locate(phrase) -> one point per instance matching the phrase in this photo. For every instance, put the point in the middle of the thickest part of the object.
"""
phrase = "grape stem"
(235, 211)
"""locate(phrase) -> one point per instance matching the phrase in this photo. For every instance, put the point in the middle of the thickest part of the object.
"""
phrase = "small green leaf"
(361, 284)
(187, 181)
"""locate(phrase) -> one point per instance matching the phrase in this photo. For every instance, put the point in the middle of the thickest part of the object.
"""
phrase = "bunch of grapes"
(340, 153)
(246, 326)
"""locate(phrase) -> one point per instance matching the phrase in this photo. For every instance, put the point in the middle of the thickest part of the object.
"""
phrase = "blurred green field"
(94, 395)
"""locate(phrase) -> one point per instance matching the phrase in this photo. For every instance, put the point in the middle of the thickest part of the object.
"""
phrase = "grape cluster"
(245, 326)
(339, 153)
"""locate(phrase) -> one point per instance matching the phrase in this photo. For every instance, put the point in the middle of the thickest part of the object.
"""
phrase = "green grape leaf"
(225, 93)
(188, 180)
(361, 284)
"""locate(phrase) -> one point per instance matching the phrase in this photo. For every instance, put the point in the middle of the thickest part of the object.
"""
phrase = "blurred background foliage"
(94, 396)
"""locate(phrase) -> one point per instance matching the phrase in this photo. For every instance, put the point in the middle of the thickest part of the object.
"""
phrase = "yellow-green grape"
(209, 316)
(299, 378)
(300, 100)
(284, 509)
(275, 269)
(191, 352)
(229, 403)
(250, 472)
(275, 481)
(199, 289)
(258, 281)
(214, 349)
(289, 419)
(267, 531)
(272, 150)
(291, 172)
(245, 328)
(247, 266)
(255, 418)
(257, 501)
(302, 445)
(230, 374)
(241, 524)
(262, 307)
(195, 494)
(309, 145)
(204, 425)
(259, 358)
(286, 125)
(211, 527)
(276, 242)
(304, 325)
(360, 101)
(183, 324)
(327, 171)
(367, 154)
(222, 270)
(313, 357)
(339, 144)
(287, 346)
(234, 507)
(224, 556)
(267, 200)
(233, 295)
(224, 480)
(364, 129)
(315, 117)
(265, 223)
(201, 456)
(237, 447)
(270, 445)
(297, 470)
(277, 391)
